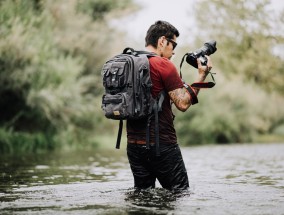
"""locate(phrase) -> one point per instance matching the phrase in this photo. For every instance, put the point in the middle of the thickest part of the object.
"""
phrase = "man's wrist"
(201, 78)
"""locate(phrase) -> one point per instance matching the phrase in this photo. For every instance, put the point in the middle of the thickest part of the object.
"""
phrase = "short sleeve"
(170, 76)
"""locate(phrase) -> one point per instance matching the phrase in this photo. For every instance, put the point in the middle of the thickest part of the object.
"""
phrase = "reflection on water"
(229, 179)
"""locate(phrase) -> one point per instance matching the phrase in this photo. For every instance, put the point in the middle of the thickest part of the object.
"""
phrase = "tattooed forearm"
(181, 98)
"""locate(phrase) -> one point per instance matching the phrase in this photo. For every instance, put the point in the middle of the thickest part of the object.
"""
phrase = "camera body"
(208, 49)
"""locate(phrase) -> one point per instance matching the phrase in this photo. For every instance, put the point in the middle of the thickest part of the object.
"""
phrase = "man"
(169, 167)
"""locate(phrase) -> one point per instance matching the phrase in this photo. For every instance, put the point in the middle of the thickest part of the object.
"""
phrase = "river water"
(224, 179)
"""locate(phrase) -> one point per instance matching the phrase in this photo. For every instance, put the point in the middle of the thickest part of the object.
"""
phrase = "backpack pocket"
(115, 75)
(115, 106)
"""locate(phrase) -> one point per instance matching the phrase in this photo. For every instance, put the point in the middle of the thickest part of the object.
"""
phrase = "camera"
(208, 49)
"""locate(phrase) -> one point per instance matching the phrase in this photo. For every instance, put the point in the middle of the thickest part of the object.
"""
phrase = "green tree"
(247, 101)
(51, 53)
(247, 32)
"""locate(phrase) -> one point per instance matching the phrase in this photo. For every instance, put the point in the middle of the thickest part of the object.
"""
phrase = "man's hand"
(203, 70)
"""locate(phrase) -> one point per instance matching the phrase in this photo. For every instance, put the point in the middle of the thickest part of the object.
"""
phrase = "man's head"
(162, 37)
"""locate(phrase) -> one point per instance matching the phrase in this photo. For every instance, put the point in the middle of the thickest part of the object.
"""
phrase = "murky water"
(227, 179)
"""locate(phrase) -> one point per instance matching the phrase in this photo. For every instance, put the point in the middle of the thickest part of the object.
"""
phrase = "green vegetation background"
(51, 53)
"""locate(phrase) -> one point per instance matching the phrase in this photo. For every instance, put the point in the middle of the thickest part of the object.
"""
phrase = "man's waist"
(140, 142)
(143, 142)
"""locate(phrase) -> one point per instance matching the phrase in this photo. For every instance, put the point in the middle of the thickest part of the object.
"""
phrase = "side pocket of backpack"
(115, 106)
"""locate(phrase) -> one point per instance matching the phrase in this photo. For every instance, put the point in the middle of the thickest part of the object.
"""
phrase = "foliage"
(247, 32)
(22, 142)
(51, 53)
(248, 98)
(97, 9)
(229, 113)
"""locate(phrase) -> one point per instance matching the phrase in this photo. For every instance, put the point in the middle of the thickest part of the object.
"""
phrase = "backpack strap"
(119, 134)
(157, 107)
(148, 132)
(132, 51)
(149, 54)
(157, 136)
(128, 50)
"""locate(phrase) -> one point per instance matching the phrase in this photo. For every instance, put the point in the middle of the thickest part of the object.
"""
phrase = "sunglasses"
(173, 42)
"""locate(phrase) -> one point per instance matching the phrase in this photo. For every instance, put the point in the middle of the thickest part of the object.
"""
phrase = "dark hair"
(160, 28)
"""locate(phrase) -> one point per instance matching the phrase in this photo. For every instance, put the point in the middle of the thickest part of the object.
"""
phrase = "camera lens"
(208, 49)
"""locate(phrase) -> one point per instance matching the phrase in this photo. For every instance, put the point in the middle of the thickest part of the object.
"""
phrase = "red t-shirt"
(164, 76)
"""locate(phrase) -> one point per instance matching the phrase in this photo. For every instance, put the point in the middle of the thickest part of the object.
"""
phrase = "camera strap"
(193, 96)
(199, 84)
(209, 84)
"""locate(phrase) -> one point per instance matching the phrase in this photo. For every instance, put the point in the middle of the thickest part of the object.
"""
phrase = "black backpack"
(127, 83)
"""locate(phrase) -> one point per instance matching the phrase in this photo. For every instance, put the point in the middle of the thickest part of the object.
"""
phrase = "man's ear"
(161, 41)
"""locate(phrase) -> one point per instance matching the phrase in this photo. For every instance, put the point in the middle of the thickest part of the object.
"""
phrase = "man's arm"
(181, 97)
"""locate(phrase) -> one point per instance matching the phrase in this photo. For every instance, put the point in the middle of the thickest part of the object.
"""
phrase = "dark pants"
(168, 168)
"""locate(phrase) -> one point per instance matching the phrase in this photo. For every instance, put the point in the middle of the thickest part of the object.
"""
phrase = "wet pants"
(168, 168)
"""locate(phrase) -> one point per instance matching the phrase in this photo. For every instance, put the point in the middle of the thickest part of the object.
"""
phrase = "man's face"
(167, 46)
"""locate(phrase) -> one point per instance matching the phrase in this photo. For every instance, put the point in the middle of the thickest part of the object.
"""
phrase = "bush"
(230, 112)
(51, 53)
